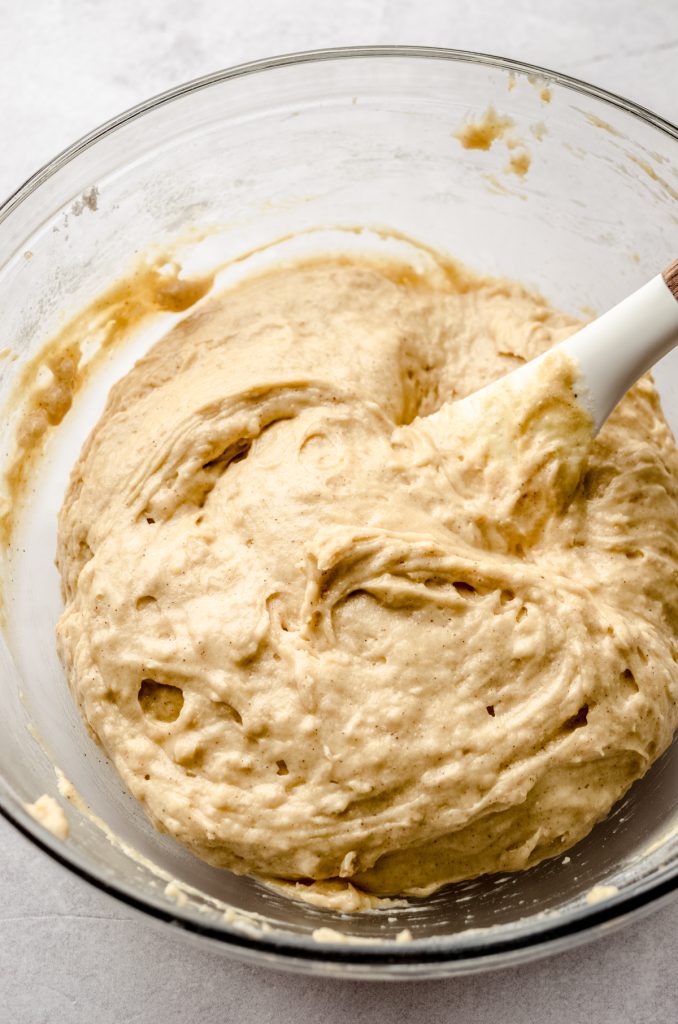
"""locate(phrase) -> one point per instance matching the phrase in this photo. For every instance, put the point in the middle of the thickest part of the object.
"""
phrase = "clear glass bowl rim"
(481, 951)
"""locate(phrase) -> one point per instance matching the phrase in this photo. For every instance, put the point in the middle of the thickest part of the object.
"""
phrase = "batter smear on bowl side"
(331, 628)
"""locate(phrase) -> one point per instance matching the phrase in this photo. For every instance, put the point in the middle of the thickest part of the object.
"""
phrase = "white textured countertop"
(67, 953)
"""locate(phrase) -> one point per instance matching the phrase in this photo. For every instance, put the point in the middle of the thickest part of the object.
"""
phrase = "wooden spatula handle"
(670, 275)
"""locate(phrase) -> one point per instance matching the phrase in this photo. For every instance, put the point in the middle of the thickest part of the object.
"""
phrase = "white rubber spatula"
(613, 351)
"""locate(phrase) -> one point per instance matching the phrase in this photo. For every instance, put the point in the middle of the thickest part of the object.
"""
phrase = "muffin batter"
(331, 624)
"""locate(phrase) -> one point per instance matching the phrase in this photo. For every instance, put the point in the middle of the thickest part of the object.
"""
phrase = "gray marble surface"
(67, 953)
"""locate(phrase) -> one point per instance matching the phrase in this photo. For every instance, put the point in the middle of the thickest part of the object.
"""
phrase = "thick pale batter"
(329, 625)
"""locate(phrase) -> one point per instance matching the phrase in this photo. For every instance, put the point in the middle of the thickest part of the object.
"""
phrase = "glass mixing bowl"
(351, 138)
